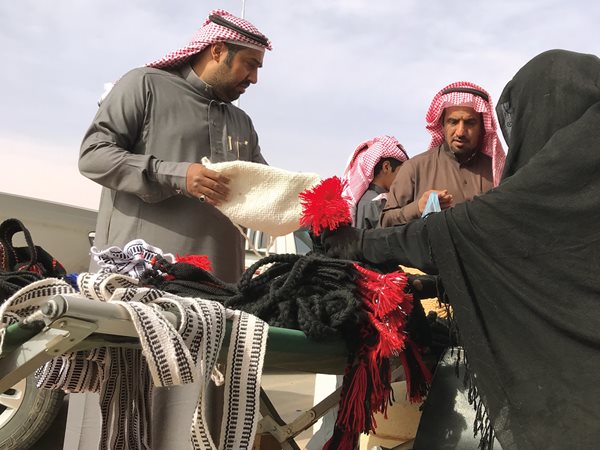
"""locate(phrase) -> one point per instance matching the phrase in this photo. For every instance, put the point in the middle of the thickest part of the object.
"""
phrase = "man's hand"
(207, 185)
(444, 198)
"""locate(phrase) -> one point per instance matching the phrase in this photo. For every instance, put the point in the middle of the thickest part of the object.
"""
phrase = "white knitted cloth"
(263, 198)
(125, 377)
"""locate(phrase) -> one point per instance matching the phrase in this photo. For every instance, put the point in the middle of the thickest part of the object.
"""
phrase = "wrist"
(172, 174)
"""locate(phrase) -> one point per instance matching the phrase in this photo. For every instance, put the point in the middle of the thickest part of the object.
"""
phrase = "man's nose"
(460, 128)
(253, 76)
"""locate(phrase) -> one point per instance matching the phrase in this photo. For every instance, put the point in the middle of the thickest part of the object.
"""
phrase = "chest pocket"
(236, 147)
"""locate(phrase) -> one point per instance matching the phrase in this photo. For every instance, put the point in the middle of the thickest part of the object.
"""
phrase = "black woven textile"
(311, 293)
(31, 257)
(20, 266)
(187, 280)
(11, 282)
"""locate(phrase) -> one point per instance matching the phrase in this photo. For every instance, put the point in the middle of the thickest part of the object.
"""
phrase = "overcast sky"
(341, 71)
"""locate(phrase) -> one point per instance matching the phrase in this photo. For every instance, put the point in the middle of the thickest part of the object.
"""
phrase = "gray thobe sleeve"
(108, 152)
(367, 214)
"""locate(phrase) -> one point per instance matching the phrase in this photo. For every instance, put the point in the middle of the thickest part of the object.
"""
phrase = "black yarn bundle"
(11, 282)
(323, 298)
(187, 280)
(311, 293)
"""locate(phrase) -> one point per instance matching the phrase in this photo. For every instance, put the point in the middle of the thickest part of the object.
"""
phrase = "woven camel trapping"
(324, 298)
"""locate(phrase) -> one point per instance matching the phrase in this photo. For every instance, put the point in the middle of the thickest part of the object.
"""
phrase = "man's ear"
(386, 167)
(217, 51)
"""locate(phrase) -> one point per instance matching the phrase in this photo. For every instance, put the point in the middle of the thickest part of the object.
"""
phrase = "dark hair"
(393, 162)
(232, 49)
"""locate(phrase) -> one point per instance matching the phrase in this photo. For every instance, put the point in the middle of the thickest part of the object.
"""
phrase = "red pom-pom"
(324, 207)
(200, 261)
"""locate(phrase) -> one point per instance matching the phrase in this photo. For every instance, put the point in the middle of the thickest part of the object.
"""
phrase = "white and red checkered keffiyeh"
(491, 145)
(359, 170)
(211, 33)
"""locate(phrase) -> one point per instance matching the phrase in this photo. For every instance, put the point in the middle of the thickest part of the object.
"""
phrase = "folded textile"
(262, 197)
(324, 298)
(168, 356)
(135, 257)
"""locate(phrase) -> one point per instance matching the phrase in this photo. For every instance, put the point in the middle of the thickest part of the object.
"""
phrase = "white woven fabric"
(133, 260)
(124, 377)
(262, 197)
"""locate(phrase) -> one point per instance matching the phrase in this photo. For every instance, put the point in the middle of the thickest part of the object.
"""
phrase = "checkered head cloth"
(220, 26)
(464, 93)
(359, 170)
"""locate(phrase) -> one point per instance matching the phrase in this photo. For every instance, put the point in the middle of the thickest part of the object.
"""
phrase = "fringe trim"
(482, 425)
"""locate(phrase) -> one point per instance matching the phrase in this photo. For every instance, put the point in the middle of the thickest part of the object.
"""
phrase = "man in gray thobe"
(144, 147)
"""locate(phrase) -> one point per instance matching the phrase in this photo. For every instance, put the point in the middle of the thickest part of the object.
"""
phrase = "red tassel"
(427, 376)
(391, 341)
(407, 378)
(368, 385)
(381, 379)
(342, 440)
(200, 261)
(388, 307)
(351, 415)
(384, 292)
(348, 441)
(377, 392)
(417, 378)
(323, 206)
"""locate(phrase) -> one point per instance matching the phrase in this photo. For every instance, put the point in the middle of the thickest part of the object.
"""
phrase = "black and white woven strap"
(247, 348)
(168, 356)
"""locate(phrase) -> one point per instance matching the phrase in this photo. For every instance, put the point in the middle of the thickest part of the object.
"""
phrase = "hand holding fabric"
(206, 184)
(444, 197)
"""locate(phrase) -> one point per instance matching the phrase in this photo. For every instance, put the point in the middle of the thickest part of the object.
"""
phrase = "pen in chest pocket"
(237, 143)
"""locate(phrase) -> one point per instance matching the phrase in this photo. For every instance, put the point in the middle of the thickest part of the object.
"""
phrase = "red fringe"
(418, 378)
(351, 414)
(368, 384)
(200, 261)
(381, 374)
(323, 206)
(389, 305)
(342, 440)
(385, 292)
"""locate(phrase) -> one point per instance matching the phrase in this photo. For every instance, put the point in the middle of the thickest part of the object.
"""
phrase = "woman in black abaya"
(521, 263)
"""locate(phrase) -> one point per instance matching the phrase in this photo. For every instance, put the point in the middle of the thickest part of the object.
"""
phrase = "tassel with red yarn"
(323, 206)
(418, 376)
(388, 307)
(367, 384)
(351, 414)
(200, 261)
